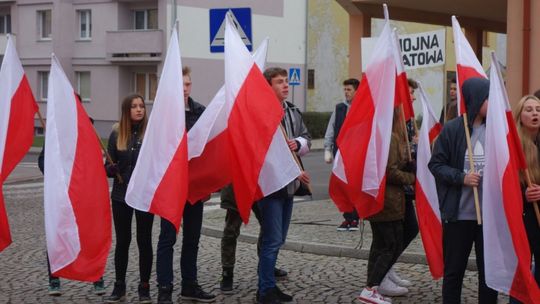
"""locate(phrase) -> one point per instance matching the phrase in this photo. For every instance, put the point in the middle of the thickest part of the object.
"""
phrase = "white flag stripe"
(464, 53)
(216, 113)
(500, 259)
(338, 168)
(381, 75)
(164, 133)
(11, 74)
(424, 176)
(63, 245)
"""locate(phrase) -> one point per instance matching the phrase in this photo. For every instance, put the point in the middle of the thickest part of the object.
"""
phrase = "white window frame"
(146, 15)
(78, 79)
(43, 85)
(40, 15)
(7, 23)
(146, 84)
(85, 15)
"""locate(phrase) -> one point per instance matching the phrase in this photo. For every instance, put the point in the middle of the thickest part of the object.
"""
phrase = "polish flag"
(359, 171)
(160, 178)
(468, 65)
(402, 95)
(208, 143)
(507, 256)
(17, 110)
(76, 192)
(260, 159)
(427, 202)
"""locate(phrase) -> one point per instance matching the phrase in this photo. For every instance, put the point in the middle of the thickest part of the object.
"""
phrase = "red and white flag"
(17, 110)
(261, 161)
(160, 178)
(359, 171)
(468, 65)
(427, 201)
(76, 192)
(507, 256)
(208, 143)
(402, 85)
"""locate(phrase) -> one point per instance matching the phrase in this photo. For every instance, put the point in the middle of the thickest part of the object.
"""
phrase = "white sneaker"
(372, 296)
(391, 289)
(393, 276)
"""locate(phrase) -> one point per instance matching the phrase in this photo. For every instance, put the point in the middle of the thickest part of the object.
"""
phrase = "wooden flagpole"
(471, 167)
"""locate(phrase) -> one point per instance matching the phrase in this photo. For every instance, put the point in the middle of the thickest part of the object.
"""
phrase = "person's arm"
(329, 135)
(440, 158)
(394, 174)
(304, 140)
(111, 168)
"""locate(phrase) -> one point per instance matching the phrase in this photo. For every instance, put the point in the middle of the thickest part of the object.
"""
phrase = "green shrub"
(316, 123)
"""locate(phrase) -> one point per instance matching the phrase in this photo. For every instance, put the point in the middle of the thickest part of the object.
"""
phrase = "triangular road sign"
(219, 38)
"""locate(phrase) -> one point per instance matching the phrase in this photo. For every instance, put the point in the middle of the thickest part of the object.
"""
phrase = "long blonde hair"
(124, 128)
(530, 149)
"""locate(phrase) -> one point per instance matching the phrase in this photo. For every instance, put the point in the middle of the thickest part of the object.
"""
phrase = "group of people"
(393, 228)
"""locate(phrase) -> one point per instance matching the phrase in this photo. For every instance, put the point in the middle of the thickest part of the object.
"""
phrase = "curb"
(327, 250)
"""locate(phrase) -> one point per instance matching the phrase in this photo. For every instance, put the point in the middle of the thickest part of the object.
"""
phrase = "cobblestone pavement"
(312, 278)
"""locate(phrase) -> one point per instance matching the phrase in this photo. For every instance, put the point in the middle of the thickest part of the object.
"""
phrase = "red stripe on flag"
(339, 193)
(254, 119)
(5, 235)
(434, 132)
(171, 194)
(210, 171)
(464, 73)
(403, 96)
(515, 142)
(431, 233)
(89, 194)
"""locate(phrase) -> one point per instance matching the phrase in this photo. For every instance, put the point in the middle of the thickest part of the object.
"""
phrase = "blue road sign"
(241, 18)
(294, 76)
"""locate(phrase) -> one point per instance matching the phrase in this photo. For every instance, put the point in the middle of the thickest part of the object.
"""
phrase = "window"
(146, 85)
(85, 24)
(146, 19)
(44, 24)
(5, 24)
(43, 85)
(83, 85)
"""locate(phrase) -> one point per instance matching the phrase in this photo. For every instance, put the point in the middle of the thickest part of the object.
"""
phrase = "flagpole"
(107, 155)
(41, 119)
(535, 204)
(471, 167)
(295, 157)
(404, 125)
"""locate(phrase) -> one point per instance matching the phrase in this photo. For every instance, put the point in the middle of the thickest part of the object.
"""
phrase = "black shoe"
(144, 293)
(118, 294)
(280, 273)
(271, 297)
(283, 297)
(226, 284)
(165, 294)
(195, 293)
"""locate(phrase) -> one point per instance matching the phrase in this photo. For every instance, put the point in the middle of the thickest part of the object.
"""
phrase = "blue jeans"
(191, 229)
(276, 217)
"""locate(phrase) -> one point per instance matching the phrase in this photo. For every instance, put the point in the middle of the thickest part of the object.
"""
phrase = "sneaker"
(393, 276)
(391, 289)
(99, 287)
(371, 296)
(280, 273)
(344, 226)
(54, 287)
(118, 294)
(144, 293)
(226, 283)
(353, 226)
(195, 293)
(271, 297)
(283, 297)
(165, 294)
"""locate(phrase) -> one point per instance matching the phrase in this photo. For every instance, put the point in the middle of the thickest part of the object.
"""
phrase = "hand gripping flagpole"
(535, 203)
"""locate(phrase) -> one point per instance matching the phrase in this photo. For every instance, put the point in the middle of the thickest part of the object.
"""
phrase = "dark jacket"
(341, 112)
(396, 178)
(125, 160)
(195, 111)
(448, 155)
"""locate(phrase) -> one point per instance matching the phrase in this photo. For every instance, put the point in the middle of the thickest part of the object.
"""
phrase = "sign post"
(294, 79)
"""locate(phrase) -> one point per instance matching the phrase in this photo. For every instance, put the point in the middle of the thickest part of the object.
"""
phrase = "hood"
(475, 92)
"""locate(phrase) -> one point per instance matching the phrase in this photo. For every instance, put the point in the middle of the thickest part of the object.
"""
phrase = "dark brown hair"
(124, 129)
(274, 72)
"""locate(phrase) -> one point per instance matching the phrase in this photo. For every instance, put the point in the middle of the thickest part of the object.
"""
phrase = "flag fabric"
(208, 143)
(402, 95)
(427, 202)
(160, 178)
(507, 257)
(260, 159)
(76, 192)
(17, 110)
(468, 65)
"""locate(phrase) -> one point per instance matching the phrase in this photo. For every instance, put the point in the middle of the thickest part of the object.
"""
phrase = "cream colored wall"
(327, 53)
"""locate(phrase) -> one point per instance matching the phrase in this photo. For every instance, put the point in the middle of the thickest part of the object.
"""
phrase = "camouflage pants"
(231, 231)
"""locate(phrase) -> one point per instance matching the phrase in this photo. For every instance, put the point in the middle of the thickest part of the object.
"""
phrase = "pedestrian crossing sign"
(294, 76)
(241, 18)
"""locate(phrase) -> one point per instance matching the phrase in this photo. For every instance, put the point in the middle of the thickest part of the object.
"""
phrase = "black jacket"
(195, 111)
(448, 155)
